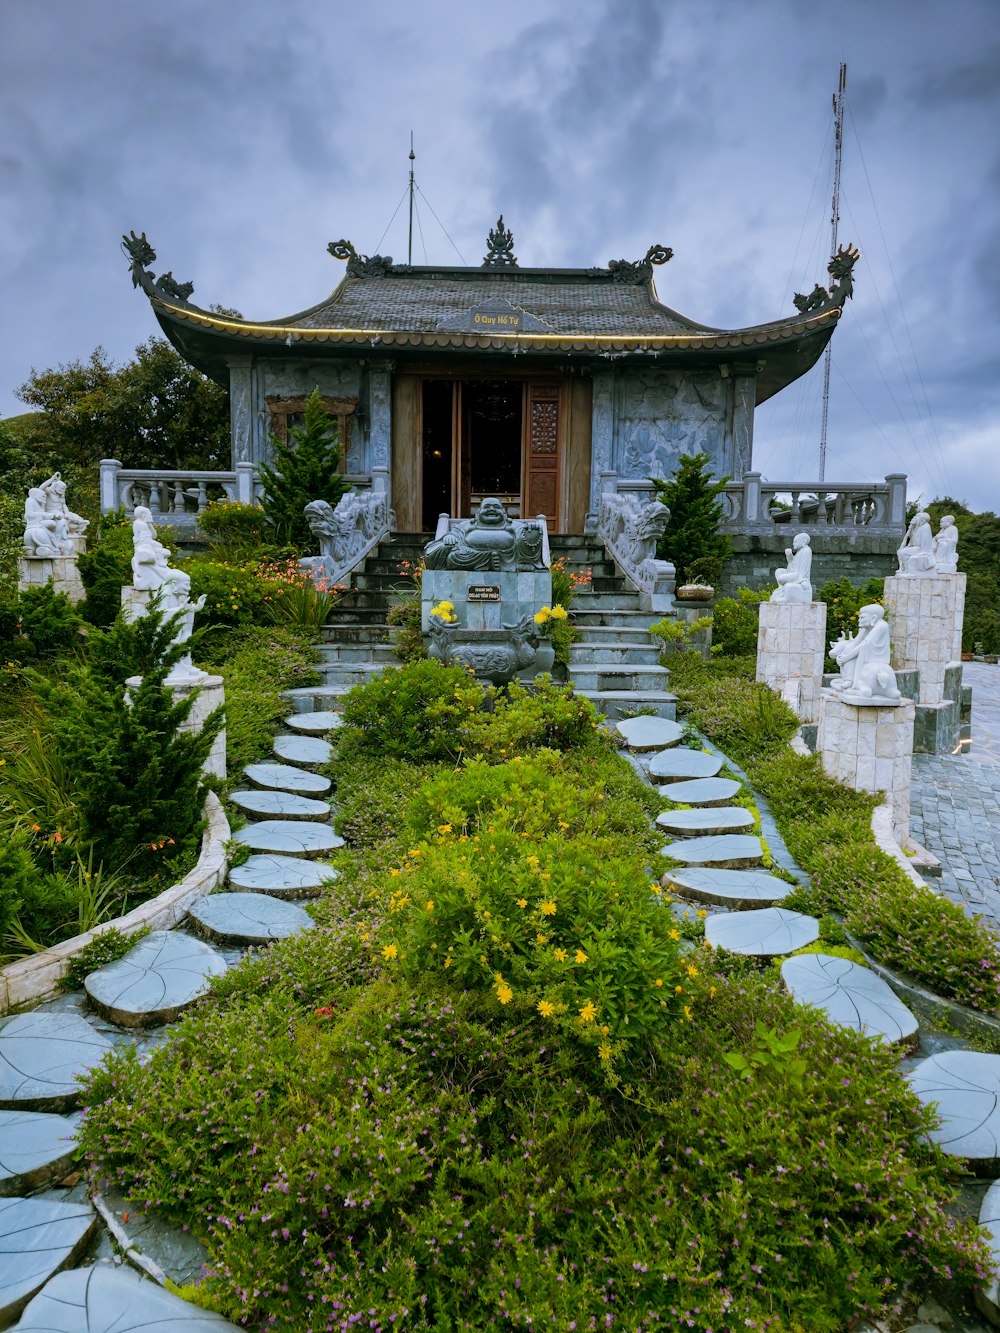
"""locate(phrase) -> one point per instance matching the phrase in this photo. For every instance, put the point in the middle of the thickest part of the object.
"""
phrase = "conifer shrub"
(303, 469)
(691, 539)
(106, 568)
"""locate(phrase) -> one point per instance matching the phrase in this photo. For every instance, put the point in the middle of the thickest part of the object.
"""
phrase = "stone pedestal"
(791, 643)
(211, 695)
(483, 599)
(35, 571)
(870, 749)
(925, 625)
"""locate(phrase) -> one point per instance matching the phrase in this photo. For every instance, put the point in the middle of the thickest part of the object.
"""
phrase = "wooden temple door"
(541, 452)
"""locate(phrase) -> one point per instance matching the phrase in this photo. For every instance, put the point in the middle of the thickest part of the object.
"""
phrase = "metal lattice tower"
(838, 148)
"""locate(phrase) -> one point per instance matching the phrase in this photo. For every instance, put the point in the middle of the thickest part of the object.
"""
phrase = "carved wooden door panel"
(542, 433)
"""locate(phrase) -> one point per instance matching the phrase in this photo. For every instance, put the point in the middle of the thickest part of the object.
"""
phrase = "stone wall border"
(37, 978)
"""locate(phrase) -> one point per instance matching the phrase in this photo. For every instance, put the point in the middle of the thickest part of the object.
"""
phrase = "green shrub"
(235, 595)
(528, 717)
(49, 620)
(407, 640)
(421, 711)
(843, 603)
(734, 623)
(692, 539)
(11, 542)
(106, 568)
(303, 469)
(17, 875)
(108, 947)
(235, 531)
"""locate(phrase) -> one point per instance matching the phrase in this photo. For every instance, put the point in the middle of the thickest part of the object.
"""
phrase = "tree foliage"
(979, 558)
(303, 469)
(691, 539)
(154, 411)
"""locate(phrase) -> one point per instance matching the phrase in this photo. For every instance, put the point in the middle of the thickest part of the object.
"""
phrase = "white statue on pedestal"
(46, 537)
(795, 582)
(54, 493)
(916, 555)
(946, 546)
(866, 676)
(151, 572)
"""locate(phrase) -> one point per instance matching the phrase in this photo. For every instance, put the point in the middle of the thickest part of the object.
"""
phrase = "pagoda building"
(452, 384)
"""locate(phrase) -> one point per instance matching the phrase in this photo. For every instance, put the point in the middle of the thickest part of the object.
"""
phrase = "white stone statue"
(795, 582)
(866, 676)
(916, 555)
(152, 572)
(46, 536)
(54, 491)
(946, 546)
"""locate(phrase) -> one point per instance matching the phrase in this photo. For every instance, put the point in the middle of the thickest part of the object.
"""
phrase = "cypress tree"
(303, 469)
(691, 539)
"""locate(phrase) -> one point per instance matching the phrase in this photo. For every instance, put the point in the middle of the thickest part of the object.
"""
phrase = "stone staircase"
(614, 663)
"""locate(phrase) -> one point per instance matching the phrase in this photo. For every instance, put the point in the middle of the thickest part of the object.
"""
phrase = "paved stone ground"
(955, 803)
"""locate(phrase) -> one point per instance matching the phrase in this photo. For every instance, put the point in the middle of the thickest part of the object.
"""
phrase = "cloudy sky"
(243, 135)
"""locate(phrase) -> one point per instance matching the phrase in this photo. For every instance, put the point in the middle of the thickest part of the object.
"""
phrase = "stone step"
(729, 851)
(645, 735)
(616, 676)
(605, 583)
(158, 979)
(101, 1297)
(703, 793)
(586, 617)
(697, 823)
(362, 618)
(315, 724)
(35, 1150)
(608, 601)
(613, 636)
(851, 996)
(351, 673)
(41, 1055)
(586, 654)
(287, 777)
(281, 876)
(288, 837)
(964, 1088)
(680, 765)
(345, 632)
(763, 932)
(362, 601)
(736, 889)
(306, 697)
(37, 1238)
(248, 918)
(357, 651)
(279, 805)
(305, 751)
(390, 583)
(616, 703)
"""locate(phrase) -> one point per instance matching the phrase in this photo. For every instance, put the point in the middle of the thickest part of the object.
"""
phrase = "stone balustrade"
(755, 507)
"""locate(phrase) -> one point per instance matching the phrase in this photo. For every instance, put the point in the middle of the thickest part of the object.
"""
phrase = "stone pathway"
(955, 804)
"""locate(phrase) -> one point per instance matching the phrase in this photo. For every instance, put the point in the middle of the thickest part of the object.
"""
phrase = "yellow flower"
(546, 1008)
(561, 955)
(532, 860)
(389, 951)
(444, 828)
(486, 915)
(604, 1051)
(581, 957)
(504, 993)
(658, 981)
(430, 904)
(541, 939)
(548, 908)
(588, 1013)
(675, 934)
(678, 990)
(447, 962)
(522, 902)
(394, 873)
(687, 1012)
(691, 971)
(563, 824)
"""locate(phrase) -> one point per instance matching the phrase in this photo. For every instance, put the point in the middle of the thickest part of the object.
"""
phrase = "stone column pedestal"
(35, 571)
(211, 695)
(870, 749)
(791, 643)
(925, 625)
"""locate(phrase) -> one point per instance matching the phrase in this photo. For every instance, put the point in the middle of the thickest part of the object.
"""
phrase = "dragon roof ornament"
(140, 255)
(358, 265)
(841, 270)
(500, 247)
(638, 271)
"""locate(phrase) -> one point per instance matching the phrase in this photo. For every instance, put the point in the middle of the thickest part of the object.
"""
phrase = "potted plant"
(545, 622)
(702, 577)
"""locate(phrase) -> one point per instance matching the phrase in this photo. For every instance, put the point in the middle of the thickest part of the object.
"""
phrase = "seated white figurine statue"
(866, 676)
(45, 536)
(152, 572)
(916, 555)
(795, 582)
(946, 546)
(54, 491)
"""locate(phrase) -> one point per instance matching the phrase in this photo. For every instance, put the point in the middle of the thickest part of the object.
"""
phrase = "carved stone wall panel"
(241, 412)
(380, 415)
(664, 414)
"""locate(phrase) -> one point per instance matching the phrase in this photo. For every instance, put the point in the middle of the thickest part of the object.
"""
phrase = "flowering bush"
(547, 618)
(566, 583)
(234, 594)
(235, 530)
(420, 711)
(445, 611)
(300, 599)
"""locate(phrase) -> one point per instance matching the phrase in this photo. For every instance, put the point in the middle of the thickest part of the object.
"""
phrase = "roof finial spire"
(500, 247)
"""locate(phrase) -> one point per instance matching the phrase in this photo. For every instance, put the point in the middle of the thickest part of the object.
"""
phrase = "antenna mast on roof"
(838, 146)
(413, 158)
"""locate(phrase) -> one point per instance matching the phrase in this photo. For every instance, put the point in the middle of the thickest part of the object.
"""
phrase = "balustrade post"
(109, 484)
(897, 499)
(202, 501)
(246, 478)
(751, 497)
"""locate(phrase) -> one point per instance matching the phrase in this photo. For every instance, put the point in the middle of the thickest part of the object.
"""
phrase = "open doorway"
(438, 410)
(491, 443)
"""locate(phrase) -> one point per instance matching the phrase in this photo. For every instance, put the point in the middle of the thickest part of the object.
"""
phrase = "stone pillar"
(602, 433)
(241, 409)
(751, 497)
(925, 625)
(109, 484)
(380, 416)
(870, 749)
(791, 644)
(744, 401)
(246, 483)
(896, 516)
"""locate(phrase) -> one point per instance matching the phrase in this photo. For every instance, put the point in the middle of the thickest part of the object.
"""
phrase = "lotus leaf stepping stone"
(286, 777)
(37, 1238)
(702, 792)
(162, 976)
(306, 751)
(649, 733)
(678, 765)
(103, 1299)
(282, 876)
(689, 823)
(314, 723)
(286, 804)
(989, 1219)
(761, 932)
(850, 995)
(41, 1056)
(248, 918)
(35, 1149)
(965, 1087)
(289, 837)
(728, 888)
(733, 850)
